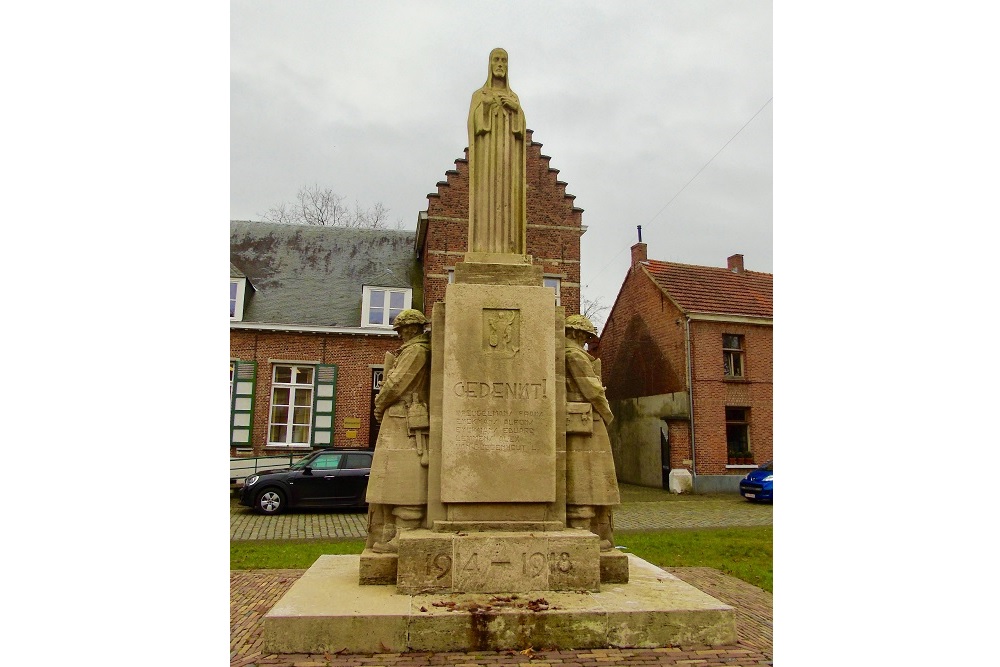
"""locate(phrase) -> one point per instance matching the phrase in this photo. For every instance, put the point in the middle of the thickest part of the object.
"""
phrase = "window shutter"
(324, 398)
(241, 405)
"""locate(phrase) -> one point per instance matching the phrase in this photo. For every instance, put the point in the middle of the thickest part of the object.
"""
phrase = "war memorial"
(492, 485)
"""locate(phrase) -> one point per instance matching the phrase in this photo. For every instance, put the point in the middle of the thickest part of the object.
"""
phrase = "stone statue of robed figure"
(496, 165)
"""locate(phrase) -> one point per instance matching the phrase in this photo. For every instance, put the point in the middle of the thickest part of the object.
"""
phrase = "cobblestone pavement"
(641, 509)
(254, 592)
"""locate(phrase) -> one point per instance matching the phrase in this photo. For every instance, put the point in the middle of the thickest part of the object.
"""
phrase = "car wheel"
(270, 501)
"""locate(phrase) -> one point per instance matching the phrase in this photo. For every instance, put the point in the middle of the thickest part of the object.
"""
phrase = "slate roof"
(306, 274)
(715, 290)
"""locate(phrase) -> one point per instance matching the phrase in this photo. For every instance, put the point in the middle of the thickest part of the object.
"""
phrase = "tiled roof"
(304, 274)
(710, 289)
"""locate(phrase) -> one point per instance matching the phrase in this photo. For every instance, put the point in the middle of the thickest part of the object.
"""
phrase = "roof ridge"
(703, 266)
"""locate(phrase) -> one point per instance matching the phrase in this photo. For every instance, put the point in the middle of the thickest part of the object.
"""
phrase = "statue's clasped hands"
(508, 101)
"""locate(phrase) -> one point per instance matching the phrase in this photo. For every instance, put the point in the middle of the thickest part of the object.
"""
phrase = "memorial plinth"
(326, 610)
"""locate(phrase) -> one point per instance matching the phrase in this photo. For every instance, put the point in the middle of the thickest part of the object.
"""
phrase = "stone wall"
(636, 436)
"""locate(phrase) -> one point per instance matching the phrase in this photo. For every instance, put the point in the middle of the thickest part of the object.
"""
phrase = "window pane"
(281, 395)
(278, 433)
(304, 397)
(375, 316)
(302, 415)
(359, 461)
(279, 414)
(327, 462)
(393, 312)
(303, 375)
(282, 373)
(300, 434)
(736, 440)
(731, 342)
(377, 298)
(396, 300)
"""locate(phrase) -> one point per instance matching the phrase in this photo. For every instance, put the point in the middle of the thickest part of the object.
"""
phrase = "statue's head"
(409, 317)
(498, 65)
(581, 323)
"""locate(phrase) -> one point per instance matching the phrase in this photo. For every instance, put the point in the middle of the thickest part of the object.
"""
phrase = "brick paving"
(254, 592)
(657, 510)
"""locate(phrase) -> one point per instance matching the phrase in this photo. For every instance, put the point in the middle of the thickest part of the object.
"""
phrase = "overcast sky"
(630, 100)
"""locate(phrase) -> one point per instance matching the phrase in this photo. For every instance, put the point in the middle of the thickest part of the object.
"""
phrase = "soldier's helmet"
(408, 316)
(582, 323)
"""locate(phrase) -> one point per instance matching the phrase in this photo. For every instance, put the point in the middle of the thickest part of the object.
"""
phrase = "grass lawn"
(744, 553)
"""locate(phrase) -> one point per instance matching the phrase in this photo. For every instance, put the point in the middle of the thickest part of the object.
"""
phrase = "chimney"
(639, 249)
(638, 253)
(735, 263)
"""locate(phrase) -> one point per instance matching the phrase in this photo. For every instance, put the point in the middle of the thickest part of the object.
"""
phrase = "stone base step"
(327, 610)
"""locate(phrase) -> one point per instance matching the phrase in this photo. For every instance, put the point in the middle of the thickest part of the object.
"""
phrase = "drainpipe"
(690, 383)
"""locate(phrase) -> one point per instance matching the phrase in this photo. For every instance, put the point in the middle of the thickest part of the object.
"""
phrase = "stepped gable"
(709, 289)
(543, 187)
(553, 234)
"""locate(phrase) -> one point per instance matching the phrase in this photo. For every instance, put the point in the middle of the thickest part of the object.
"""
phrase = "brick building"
(311, 307)
(686, 356)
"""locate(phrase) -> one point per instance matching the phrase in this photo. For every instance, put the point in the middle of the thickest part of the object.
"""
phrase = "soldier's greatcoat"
(397, 478)
(590, 467)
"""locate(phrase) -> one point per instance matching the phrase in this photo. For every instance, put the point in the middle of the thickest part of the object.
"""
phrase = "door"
(353, 482)
(373, 425)
(319, 484)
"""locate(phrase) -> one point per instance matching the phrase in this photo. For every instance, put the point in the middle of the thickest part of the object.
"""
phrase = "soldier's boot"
(579, 516)
(407, 517)
(602, 526)
(388, 537)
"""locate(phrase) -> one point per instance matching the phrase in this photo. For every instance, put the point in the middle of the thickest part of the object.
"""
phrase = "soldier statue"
(397, 488)
(591, 484)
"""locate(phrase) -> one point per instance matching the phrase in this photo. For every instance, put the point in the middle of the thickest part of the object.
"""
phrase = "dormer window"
(237, 294)
(381, 305)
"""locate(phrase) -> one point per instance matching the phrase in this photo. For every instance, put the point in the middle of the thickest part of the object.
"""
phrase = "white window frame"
(237, 304)
(366, 300)
(290, 422)
(733, 356)
(547, 281)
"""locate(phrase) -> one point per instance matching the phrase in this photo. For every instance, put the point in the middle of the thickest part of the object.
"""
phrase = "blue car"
(759, 484)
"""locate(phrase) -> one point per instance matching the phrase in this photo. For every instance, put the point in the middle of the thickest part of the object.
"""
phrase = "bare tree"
(314, 205)
(593, 310)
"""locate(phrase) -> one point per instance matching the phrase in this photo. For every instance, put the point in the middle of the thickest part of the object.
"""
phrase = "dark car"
(759, 484)
(324, 478)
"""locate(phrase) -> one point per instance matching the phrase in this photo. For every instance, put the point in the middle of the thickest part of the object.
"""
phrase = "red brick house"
(311, 308)
(686, 355)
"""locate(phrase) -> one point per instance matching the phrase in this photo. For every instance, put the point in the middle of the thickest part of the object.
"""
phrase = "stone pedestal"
(498, 562)
(327, 611)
